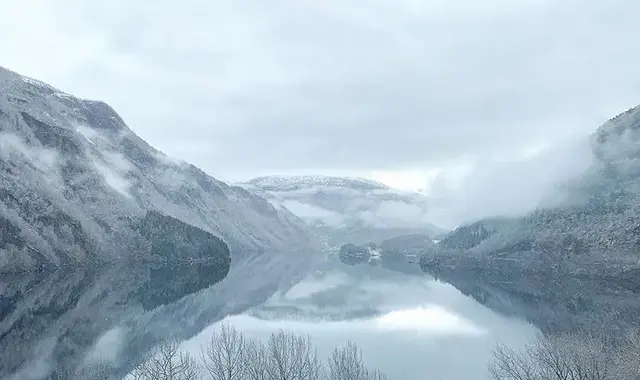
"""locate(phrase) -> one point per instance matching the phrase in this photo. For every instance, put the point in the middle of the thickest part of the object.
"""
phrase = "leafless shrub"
(567, 357)
(166, 362)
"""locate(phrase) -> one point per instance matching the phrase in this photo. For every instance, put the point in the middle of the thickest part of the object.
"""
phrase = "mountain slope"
(75, 181)
(348, 209)
(578, 263)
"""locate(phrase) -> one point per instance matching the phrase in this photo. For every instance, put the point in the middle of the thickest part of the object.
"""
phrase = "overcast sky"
(395, 89)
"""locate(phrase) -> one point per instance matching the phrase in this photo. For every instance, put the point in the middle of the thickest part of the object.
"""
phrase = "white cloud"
(107, 347)
(367, 85)
(311, 212)
(246, 88)
(44, 159)
(511, 187)
(114, 169)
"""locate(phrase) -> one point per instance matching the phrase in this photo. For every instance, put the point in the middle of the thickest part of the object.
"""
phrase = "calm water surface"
(410, 327)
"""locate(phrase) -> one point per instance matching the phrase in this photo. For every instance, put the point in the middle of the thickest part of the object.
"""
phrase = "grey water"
(410, 326)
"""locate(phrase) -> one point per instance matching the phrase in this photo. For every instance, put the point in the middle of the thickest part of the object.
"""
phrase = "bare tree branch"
(166, 362)
(256, 360)
(224, 357)
(583, 356)
(346, 364)
(292, 357)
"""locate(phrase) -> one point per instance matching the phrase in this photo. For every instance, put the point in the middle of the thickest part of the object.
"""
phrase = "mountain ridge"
(569, 266)
(71, 167)
(284, 181)
(348, 210)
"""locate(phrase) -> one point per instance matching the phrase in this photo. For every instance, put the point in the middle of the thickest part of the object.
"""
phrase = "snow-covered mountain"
(351, 210)
(576, 264)
(75, 182)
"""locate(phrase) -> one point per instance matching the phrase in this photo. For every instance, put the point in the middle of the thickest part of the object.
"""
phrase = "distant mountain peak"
(348, 209)
(283, 182)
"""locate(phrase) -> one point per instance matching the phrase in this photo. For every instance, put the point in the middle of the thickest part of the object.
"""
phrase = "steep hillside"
(565, 266)
(75, 182)
(348, 210)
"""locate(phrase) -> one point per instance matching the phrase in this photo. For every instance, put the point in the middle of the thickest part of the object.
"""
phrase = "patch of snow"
(280, 181)
(63, 95)
(38, 83)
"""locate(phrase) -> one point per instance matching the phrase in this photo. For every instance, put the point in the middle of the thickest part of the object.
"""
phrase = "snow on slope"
(73, 177)
(361, 206)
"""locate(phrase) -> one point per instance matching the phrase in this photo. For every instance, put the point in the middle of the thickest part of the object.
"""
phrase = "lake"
(410, 326)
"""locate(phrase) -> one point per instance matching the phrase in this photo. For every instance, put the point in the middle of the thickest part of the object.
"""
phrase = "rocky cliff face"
(573, 265)
(75, 182)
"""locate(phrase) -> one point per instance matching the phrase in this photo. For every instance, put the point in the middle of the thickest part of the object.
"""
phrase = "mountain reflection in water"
(50, 320)
(53, 321)
(410, 327)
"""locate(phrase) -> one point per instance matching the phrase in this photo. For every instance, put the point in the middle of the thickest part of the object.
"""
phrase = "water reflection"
(432, 319)
(411, 327)
(51, 322)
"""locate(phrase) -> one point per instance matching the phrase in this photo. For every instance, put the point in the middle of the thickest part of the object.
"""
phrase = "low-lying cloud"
(246, 87)
(511, 186)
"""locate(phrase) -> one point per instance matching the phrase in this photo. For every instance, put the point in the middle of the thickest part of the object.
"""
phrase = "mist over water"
(409, 327)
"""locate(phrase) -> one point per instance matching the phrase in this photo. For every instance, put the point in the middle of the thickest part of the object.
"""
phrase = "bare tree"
(629, 358)
(224, 357)
(166, 362)
(376, 375)
(256, 360)
(100, 370)
(346, 363)
(582, 356)
(292, 357)
(229, 355)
